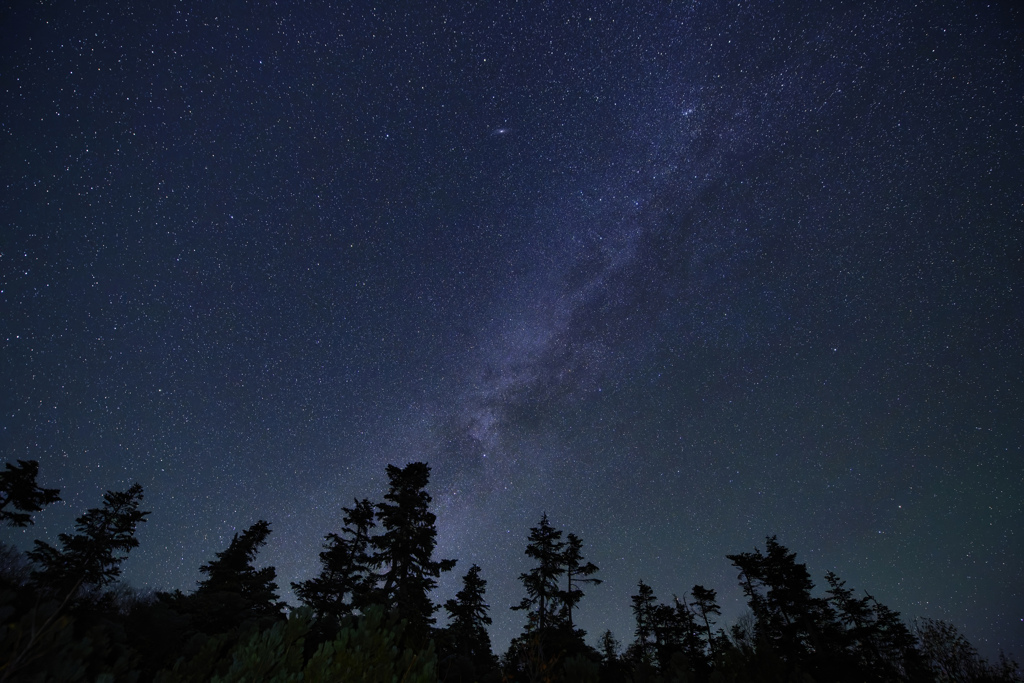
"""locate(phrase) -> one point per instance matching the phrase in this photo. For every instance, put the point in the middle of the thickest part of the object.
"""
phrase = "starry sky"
(679, 274)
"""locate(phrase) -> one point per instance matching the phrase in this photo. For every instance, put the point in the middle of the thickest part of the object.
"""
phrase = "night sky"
(680, 274)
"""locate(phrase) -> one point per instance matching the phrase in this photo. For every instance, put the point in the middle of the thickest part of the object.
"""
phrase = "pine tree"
(895, 645)
(644, 613)
(406, 548)
(19, 490)
(692, 644)
(854, 622)
(234, 591)
(873, 636)
(609, 648)
(613, 667)
(466, 634)
(576, 572)
(669, 632)
(787, 617)
(93, 556)
(704, 601)
(346, 579)
(541, 583)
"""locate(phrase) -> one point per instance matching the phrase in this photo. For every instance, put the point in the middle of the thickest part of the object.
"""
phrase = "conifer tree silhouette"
(643, 612)
(468, 621)
(93, 556)
(234, 591)
(778, 589)
(706, 606)
(543, 597)
(872, 635)
(346, 580)
(609, 647)
(406, 548)
(19, 490)
(691, 642)
(577, 572)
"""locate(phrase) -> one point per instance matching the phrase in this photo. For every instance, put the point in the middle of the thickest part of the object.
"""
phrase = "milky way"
(679, 275)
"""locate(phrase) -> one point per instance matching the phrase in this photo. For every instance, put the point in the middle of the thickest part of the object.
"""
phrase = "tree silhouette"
(541, 583)
(948, 656)
(644, 613)
(895, 646)
(689, 631)
(232, 625)
(346, 579)
(873, 636)
(19, 490)
(234, 591)
(93, 556)
(406, 548)
(609, 648)
(778, 589)
(669, 632)
(466, 636)
(704, 602)
(613, 669)
(576, 572)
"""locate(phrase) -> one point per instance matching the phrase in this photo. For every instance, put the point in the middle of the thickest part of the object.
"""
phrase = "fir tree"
(613, 668)
(234, 591)
(93, 556)
(541, 583)
(894, 645)
(873, 636)
(346, 579)
(466, 636)
(705, 605)
(577, 572)
(644, 613)
(669, 632)
(692, 644)
(609, 648)
(778, 589)
(19, 490)
(406, 548)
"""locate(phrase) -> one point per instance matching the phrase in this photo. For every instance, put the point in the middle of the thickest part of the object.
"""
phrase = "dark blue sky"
(680, 274)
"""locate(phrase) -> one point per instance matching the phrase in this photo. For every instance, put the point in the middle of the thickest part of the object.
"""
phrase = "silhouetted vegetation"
(21, 495)
(346, 580)
(368, 616)
(404, 552)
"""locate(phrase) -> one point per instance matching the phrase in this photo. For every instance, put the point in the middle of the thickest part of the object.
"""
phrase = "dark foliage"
(465, 646)
(405, 550)
(948, 656)
(642, 651)
(21, 495)
(234, 591)
(67, 619)
(577, 573)
(543, 597)
(706, 607)
(92, 557)
(778, 590)
(550, 644)
(346, 581)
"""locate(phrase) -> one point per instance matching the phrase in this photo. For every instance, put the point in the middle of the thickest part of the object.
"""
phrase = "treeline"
(368, 615)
